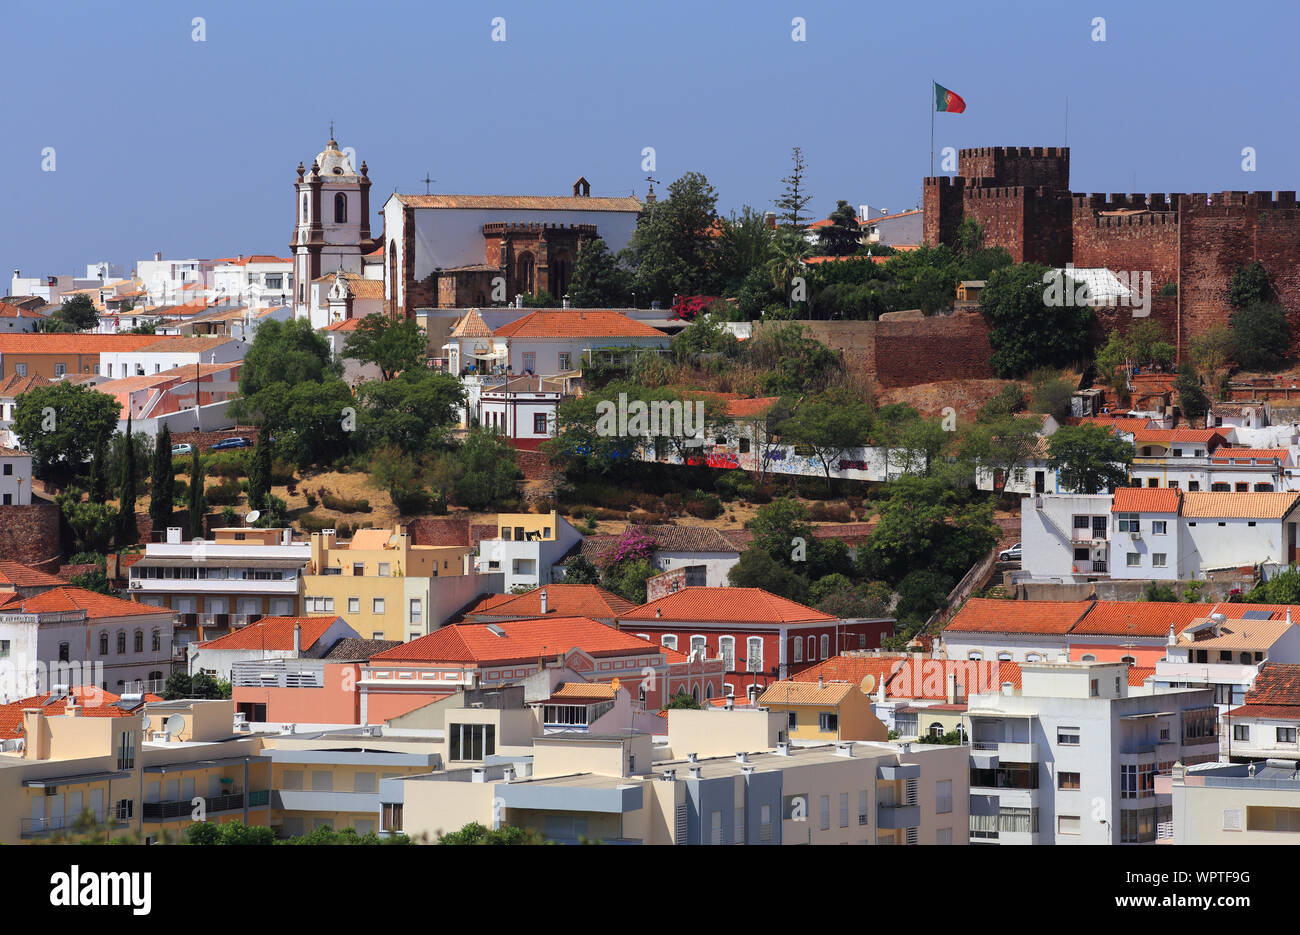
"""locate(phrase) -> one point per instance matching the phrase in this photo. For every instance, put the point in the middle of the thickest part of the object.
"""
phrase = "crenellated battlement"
(982, 191)
(1147, 219)
(534, 227)
(1141, 201)
(1015, 152)
(944, 181)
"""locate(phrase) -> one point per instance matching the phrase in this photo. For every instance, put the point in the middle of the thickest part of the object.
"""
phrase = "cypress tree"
(196, 497)
(163, 488)
(126, 528)
(259, 474)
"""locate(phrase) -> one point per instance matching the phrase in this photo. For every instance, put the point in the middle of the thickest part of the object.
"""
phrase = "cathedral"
(438, 250)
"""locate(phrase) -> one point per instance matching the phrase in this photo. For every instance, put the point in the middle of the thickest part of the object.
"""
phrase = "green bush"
(704, 505)
(342, 504)
(223, 494)
(830, 513)
(282, 473)
(226, 464)
(310, 522)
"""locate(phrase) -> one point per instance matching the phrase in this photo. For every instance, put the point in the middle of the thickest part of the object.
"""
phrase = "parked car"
(227, 443)
(182, 449)
(1010, 555)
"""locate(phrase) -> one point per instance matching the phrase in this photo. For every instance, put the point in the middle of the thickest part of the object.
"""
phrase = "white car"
(1010, 555)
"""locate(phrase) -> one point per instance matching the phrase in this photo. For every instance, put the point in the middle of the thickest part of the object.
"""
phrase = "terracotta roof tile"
(20, 576)
(471, 325)
(521, 202)
(726, 605)
(28, 344)
(576, 323)
(92, 703)
(355, 650)
(1228, 455)
(1268, 712)
(562, 600)
(274, 633)
(807, 693)
(1137, 675)
(1276, 684)
(519, 641)
(1147, 618)
(1146, 500)
(95, 605)
(985, 615)
(585, 691)
(1243, 505)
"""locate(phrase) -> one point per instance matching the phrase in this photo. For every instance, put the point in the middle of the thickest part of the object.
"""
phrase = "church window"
(304, 207)
(340, 208)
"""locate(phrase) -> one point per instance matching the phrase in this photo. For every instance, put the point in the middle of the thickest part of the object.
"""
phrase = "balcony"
(1008, 752)
(37, 827)
(213, 804)
(1090, 536)
(894, 817)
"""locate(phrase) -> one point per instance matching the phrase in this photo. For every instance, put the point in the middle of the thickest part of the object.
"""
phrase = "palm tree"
(789, 252)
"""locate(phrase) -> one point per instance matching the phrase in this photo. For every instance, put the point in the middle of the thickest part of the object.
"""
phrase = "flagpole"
(932, 126)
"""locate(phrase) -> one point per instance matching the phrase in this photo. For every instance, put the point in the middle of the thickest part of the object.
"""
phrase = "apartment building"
(388, 588)
(1073, 756)
(1227, 655)
(169, 353)
(62, 355)
(138, 766)
(305, 690)
(527, 546)
(15, 477)
(824, 711)
(723, 777)
(1236, 803)
(270, 638)
(217, 586)
(1265, 727)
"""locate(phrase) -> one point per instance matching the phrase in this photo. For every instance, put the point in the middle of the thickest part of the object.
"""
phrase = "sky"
(164, 143)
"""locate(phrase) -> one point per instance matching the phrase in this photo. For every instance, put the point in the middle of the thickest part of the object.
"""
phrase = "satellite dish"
(145, 721)
(253, 516)
(174, 725)
(868, 684)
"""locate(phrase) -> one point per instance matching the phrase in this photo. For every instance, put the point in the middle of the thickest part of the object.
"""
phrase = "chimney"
(821, 682)
(1008, 688)
(508, 774)
(478, 774)
(742, 757)
(157, 257)
(173, 535)
(696, 772)
(783, 748)
(297, 638)
(36, 735)
(692, 758)
(542, 597)
(668, 775)
(73, 709)
(951, 688)
(844, 749)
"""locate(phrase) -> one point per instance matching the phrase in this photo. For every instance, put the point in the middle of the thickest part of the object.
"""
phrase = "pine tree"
(127, 532)
(792, 203)
(163, 489)
(196, 497)
(259, 473)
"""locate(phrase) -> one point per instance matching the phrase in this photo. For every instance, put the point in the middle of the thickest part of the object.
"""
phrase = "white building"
(257, 281)
(1226, 655)
(1072, 758)
(269, 638)
(15, 477)
(525, 558)
(1236, 803)
(1065, 537)
(172, 282)
(168, 354)
(522, 409)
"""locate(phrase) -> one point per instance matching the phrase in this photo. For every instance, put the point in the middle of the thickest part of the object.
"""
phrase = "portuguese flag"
(946, 101)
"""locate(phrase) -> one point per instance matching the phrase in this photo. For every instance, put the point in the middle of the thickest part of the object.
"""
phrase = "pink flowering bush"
(688, 307)
(634, 544)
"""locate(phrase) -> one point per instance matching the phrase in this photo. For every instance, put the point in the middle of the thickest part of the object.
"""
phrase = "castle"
(1021, 197)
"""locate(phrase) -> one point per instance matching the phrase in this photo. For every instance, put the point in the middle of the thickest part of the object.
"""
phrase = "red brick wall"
(534, 464)
(942, 347)
(1028, 166)
(205, 440)
(29, 535)
(1032, 224)
(942, 210)
(1133, 243)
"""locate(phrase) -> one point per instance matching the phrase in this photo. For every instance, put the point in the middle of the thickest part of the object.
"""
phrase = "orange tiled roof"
(347, 324)
(852, 667)
(585, 691)
(517, 641)
(1137, 675)
(95, 605)
(1138, 618)
(92, 703)
(73, 343)
(807, 693)
(20, 576)
(273, 633)
(1225, 505)
(986, 615)
(562, 600)
(1276, 684)
(576, 323)
(1146, 500)
(726, 605)
(1228, 455)
(1174, 436)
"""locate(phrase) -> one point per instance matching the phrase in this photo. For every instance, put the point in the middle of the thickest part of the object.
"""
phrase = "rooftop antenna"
(427, 182)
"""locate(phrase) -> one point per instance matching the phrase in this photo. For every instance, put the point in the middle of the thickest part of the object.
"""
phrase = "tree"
(789, 250)
(92, 522)
(778, 526)
(308, 420)
(741, 253)
(757, 569)
(840, 237)
(1250, 286)
(392, 346)
(627, 579)
(681, 701)
(414, 412)
(259, 471)
(60, 425)
(832, 424)
(1191, 398)
(288, 352)
(1002, 447)
(838, 595)
(1090, 458)
(127, 531)
(598, 280)
(93, 579)
(580, 571)
(98, 480)
(790, 363)
(1024, 330)
(198, 507)
(162, 481)
(75, 314)
(475, 834)
(399, 473)
(1282, 588)
(794, 200)
(673, 246)
(1006, 403)
(1261, 336)
(1052, 397)
(580, 441)
(1211, 351)
(485, 470)
(923, 524)
(705, 335)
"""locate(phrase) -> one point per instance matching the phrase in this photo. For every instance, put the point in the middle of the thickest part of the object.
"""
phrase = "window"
(796, 647)
(139, 641)
(319, 604)
(1082, 522)
(385, 569)
(669, 640)
(727, 649)
(564, 360)
(1067, 736)
(60, 369)
(354, 605)
(700, 644)
(125, 809)
(9, 469)
(64, 650)
(812, 649)
(826, 646)
(530, 361)
(391, 819)
(126, 750)
(103, 644)
(1004, 657)
(975, 656)
(1158, 527)
(1286, 735)
(825, 812)
(20, 370)
(155, 641)
(863, 799)
(358, 568)
(754, 653)
(340, 208)
(1132, 559)
(1241, 732)
(943, 800)
(471, 741)
(121, 642)
(1193, 485)
(1088, 658)
(794, 720)
(1067, 824)
(417, 610)
(1067, 780)
(1158, 559)
(539, 423)
(377, 605)
(827, 722)
(1092, 684)
(844, 809)
(1129, 522)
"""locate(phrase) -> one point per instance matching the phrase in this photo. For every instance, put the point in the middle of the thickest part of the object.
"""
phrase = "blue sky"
(164, 143)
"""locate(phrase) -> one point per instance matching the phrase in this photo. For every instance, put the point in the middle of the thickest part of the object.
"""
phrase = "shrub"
(704, 505)
(226, 464)
(225, 493)
(311, 500)
(342, 504)
(282, 473)
(830, 513)
(309, 523)
(229, 516)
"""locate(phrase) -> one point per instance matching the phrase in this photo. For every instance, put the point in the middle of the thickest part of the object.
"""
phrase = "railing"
(1165, 831)
(183, 808)
(54, 823)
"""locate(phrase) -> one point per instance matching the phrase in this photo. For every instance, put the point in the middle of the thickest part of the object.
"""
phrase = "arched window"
(640, 693)
(139, 641)
(826, 646)
(156, 642)
(727, 650)
(975, 656)
(1088, 658)
(669, 640)
(754, 652)
(524, 273)
(1129, 659)
(797, 645)
(695, 693)
(708, 690)
(1032, 657)
(340, 208)
(304, 207)
(812, 649)
(1004, 657)
(103, 644)
(700, 643)
(936, 730)
(121, 642)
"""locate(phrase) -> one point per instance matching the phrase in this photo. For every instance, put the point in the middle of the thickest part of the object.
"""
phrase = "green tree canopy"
(415, 411)
(59, 425)
(1250, 286)
(1024, 331)
(392, 346)
(841, 236)
(289, 352)
(1090, 458)
(598, 279)
(1261, 336)
(832, 423)
(673, 245)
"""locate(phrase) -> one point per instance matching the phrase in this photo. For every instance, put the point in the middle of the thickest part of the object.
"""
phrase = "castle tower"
(332, 222)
